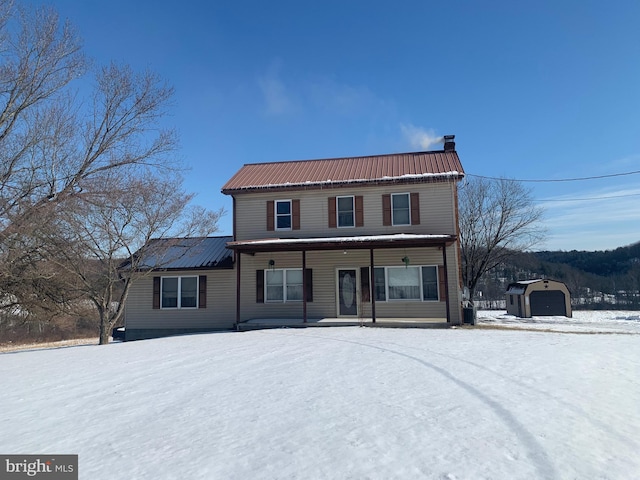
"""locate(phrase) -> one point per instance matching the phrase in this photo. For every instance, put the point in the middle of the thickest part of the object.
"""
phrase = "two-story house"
(373, 239)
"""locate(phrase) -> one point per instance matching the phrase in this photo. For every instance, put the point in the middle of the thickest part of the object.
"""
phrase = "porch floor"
(264, 323)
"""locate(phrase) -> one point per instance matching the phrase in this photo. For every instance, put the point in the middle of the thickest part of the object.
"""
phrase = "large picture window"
(283, 285)
(179, 292)
(418, 283)
(403, 283)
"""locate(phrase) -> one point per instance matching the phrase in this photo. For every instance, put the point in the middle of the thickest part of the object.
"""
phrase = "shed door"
(547, 302)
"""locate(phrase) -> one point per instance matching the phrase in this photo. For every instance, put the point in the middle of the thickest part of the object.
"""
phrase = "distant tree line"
(597, 280)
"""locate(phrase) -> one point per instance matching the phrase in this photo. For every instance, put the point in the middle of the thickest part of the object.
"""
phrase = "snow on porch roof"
(333, 243)
(408, 167)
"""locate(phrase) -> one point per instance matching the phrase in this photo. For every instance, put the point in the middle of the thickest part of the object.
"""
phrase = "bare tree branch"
(498, 219)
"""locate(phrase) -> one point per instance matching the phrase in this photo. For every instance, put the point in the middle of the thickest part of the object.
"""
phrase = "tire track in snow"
(604, 427)
(541, 460)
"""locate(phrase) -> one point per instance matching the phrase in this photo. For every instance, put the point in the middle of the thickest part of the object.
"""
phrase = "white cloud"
(419, 137)
(343, 99)
(278, 100)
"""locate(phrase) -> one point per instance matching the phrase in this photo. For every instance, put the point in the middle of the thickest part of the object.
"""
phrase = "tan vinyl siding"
(220, 311)
(436, 205)
(324, 265)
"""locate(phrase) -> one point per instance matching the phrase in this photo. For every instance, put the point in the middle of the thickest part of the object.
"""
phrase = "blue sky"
(543, 90)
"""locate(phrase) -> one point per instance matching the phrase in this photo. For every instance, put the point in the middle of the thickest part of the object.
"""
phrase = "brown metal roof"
(392, 168)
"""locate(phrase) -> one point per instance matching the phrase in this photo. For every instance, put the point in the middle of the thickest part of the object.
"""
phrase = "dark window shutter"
(259, 286)
(386, 210)
(365, 291)
(202, 291)
(270, 215)
(415, 209)
(295, 210)
(309, 284)
(359, 211)
(442, 288)
(156, 292)
(332, 212)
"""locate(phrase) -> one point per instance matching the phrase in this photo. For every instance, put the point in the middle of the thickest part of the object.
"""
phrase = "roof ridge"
(344, 158)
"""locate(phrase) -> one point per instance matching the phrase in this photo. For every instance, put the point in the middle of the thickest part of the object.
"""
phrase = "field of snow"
(327, 403)
(583, 321)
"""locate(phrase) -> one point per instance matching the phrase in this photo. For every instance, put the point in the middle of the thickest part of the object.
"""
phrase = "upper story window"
(400, 209)
(179, 292)
(345, 211)
(283, 214)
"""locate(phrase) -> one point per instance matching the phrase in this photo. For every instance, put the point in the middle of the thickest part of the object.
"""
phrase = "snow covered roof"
(519, 287)
(408, 167)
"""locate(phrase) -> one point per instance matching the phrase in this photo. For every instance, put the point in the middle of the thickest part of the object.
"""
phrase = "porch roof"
(398, 240)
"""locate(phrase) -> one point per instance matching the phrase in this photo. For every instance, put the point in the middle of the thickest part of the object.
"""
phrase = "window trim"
(179, 293)
(421, 284)
(393, 221)
(353, 211)
(276, 215)
(284, 285)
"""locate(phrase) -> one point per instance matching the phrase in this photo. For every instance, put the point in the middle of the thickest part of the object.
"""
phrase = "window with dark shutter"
(359, 211)
(309, 284)
(442, 288)
(156, 293)
(331, 214)
(386, 210)
(259, 286)
(270, 216)
(415, 208)
(295, 208)
(365, 291)
(202, 291)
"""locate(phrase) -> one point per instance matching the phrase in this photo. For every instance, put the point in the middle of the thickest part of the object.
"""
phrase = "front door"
(347, 296)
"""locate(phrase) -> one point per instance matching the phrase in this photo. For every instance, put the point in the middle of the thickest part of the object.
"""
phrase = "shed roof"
(408, 167)
(185, 253)
(518, 288)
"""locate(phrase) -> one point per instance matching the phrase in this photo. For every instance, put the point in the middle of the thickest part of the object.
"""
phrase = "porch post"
(446, 280)
(372, 287)
(238, 256)
(304, 286)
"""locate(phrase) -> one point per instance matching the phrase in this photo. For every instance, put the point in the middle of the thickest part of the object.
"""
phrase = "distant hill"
(600, 279)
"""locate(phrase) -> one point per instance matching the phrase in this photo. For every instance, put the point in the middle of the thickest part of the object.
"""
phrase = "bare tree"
(113, 221)
(83, 182)
(498, 219)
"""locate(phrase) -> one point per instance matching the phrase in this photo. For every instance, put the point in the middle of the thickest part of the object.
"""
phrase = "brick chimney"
(449, 144)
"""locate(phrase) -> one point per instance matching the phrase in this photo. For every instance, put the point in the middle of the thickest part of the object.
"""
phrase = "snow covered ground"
(583, 321)
(327, 403)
